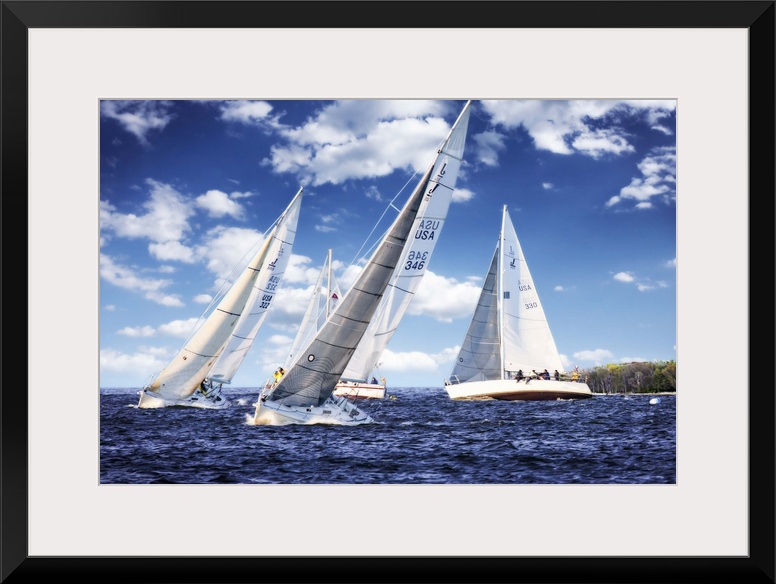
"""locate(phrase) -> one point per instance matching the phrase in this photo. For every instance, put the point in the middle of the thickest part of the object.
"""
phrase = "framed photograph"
(715, 58)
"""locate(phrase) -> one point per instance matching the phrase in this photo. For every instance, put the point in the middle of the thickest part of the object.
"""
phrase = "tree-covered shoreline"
(638, 377)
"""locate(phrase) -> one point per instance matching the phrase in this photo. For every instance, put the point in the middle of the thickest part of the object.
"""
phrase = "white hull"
(357, 390)
(335, 411)
(149, 400)
(525, 390)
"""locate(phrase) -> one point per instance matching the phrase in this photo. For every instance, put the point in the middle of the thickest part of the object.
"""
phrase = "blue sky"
(187, 187)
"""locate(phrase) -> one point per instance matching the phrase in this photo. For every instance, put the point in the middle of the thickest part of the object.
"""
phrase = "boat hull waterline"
(334, 411)
(356, 390)
(150, 400)
(511, 390)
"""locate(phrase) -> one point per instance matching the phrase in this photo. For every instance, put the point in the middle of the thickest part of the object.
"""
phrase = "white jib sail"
(417, 253)
(270, 275)
(190, 366)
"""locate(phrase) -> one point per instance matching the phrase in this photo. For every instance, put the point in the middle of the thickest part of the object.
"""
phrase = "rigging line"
(361, 252)
(431, 159)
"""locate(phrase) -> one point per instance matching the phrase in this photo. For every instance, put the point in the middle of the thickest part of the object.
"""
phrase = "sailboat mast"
(328, 286)
(500, 297)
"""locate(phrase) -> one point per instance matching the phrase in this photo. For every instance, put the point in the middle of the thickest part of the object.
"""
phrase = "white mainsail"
(311, 380)
(417, 253)
(224, 326)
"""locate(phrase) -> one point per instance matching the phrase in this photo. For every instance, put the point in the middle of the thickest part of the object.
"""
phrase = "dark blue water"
(422, 437)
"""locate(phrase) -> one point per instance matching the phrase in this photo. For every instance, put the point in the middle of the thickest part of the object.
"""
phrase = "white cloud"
(444, 299)
(658, 181)
(360, 139)
(597, 357)
(642, 284)
(487, 146)
(226, 250)
(166, 218)
(246, 112)
(461, 195)
(139, 118)
(137, 331)
(113, 361)
(567, 127)
(218, 204)
(171, 251)
(127, 278)
(178, 328)
(406, 362)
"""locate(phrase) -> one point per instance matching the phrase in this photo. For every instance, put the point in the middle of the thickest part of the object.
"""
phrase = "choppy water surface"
(420, 437)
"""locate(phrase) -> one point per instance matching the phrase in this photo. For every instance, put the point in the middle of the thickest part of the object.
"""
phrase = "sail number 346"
(416, 260)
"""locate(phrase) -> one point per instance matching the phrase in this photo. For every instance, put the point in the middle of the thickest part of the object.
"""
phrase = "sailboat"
(508, 344)
(410, 270)
(322, 302)
(304, 395)
(214, 352)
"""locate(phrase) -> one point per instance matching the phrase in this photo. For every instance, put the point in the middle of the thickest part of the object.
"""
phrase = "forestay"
(416, 256)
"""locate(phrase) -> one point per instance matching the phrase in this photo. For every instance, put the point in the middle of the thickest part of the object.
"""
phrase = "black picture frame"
(755, 16)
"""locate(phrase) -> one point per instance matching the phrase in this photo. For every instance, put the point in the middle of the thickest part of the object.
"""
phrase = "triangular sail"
(417, 253)
(527, 340)
(269, 278)
(316, 371)
(184, 374)
(323, 301)
(479, 358)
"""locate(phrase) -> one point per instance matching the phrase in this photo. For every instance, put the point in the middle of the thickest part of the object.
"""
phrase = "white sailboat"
(509, 337)
(355, 381)
(215, 351)
(304, 394)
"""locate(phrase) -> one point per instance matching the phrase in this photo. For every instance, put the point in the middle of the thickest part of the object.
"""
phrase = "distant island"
(632, 378)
